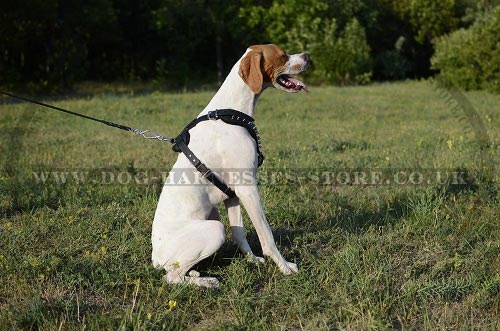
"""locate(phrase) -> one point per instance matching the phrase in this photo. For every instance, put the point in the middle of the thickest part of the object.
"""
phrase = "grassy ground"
(76, 254)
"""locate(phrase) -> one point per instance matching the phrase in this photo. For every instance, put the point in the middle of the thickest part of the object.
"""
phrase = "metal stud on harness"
(181, 142)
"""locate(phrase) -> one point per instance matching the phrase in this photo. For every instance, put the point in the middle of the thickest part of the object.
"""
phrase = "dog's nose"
(306, 57)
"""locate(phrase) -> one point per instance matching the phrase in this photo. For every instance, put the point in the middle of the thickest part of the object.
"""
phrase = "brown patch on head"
(263, 63)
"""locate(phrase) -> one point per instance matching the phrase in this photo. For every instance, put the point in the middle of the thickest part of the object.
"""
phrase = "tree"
(470, 58)
(431, 19)
(45, 43)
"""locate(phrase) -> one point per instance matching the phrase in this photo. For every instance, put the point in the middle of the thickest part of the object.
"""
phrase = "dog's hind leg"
(194, 242)
(238, 230)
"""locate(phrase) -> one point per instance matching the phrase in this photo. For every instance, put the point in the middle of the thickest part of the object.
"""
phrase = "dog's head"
(265, 65)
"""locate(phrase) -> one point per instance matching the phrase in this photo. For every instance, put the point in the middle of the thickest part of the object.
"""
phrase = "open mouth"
(290, 84)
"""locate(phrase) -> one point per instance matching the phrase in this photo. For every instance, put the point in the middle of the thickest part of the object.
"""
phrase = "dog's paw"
(293, 267)
(210, 282)
(254, 259)
(193, 279)
(288, 268)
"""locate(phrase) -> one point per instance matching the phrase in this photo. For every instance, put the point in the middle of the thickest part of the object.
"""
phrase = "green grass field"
(75, 253)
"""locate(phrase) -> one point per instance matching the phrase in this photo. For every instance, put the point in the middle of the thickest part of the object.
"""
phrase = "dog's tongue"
(299, 85)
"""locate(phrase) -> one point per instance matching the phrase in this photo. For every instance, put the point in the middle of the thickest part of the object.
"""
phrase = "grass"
(76, 255)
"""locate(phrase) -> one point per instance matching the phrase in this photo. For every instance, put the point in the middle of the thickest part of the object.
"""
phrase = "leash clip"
(212, 115)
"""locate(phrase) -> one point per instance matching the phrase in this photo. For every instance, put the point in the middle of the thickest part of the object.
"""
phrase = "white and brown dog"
(186, 226)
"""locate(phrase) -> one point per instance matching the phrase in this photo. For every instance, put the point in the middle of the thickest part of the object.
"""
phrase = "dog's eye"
(285, 56)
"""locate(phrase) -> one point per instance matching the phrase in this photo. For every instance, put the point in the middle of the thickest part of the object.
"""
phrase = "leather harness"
(229, 116)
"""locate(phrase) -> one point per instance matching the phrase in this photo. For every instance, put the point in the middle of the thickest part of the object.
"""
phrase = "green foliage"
(428, 18)
(431, 18)
(417, 22)
(470, 58)
(470, 10)
(352, 55)
(279, 17)
(340, 58)
(190, 30)
(45, 44)
(319, 37)
(50, 45)
(392, 64)
(340, 52)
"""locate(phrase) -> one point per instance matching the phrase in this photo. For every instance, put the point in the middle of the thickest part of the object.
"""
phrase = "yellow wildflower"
(171, 305)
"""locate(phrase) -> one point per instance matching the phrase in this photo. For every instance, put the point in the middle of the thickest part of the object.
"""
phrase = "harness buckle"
(212, 115)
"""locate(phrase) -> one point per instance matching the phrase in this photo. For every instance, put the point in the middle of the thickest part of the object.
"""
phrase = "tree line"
(51, 44)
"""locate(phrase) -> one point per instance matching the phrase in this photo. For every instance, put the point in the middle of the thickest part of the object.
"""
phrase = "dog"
(186, 227)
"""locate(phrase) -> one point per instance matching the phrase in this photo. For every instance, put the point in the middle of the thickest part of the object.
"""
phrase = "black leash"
(181, 142)
(145, 133)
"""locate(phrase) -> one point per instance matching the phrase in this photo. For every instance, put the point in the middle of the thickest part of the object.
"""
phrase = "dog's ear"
(251, 71)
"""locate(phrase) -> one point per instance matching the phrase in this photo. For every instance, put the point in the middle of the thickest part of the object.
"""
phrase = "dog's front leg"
(250, 198)
(238, 230)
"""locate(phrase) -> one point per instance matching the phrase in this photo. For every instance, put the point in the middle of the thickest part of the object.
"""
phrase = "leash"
(148, 134)
(229, 116)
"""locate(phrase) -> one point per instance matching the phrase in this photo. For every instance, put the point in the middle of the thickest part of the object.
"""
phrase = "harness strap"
(206, 172)
(229, 116)
(223, 114)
